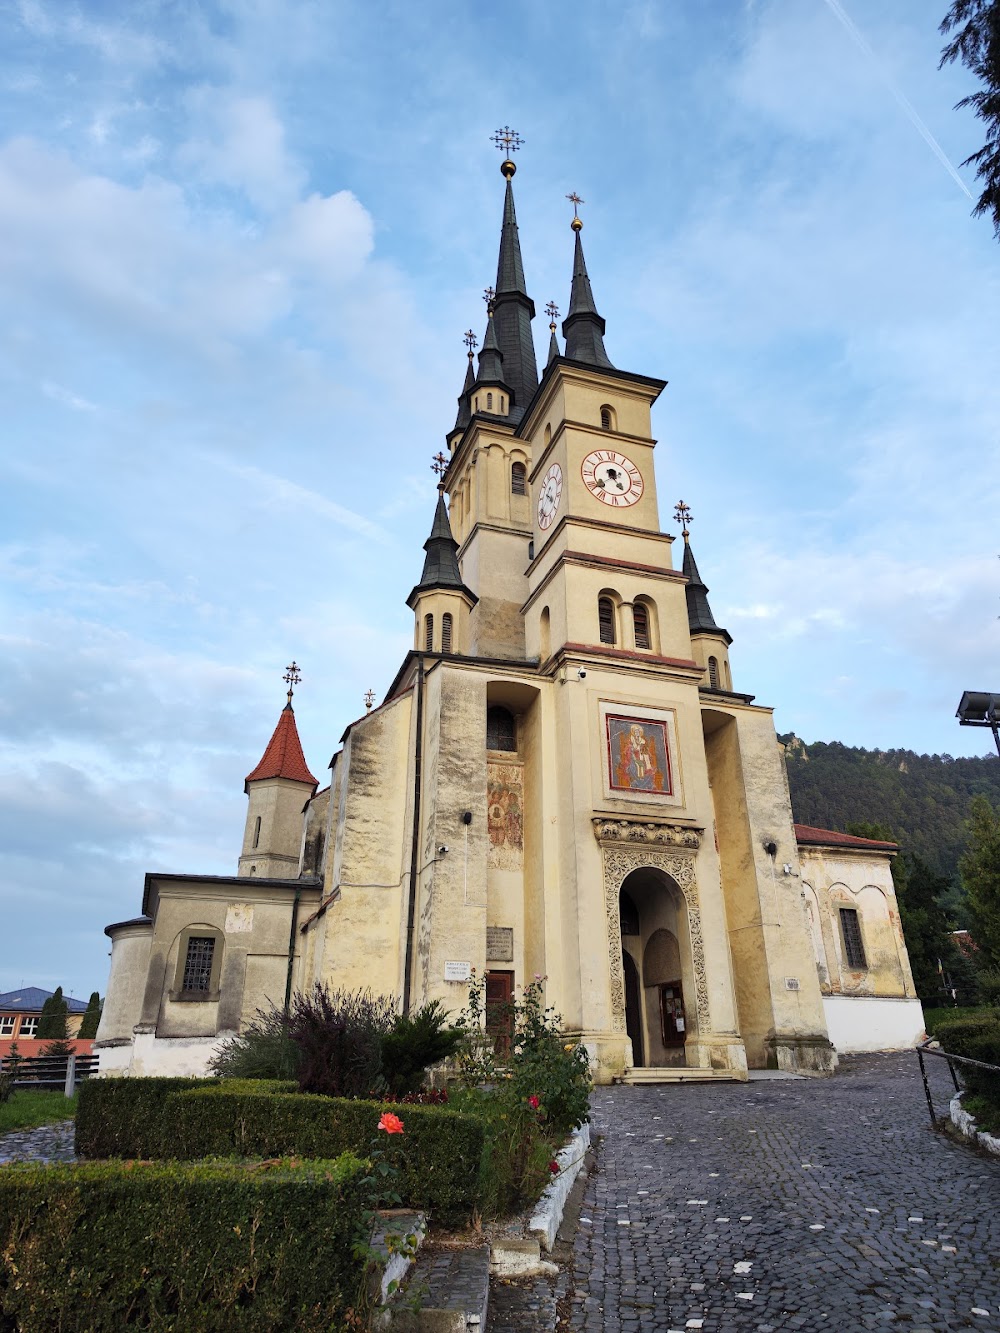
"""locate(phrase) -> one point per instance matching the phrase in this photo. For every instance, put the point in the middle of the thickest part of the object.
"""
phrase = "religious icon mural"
(505, 815)
(638, 755)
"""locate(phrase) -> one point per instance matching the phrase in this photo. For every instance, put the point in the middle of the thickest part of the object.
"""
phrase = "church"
(565, 779)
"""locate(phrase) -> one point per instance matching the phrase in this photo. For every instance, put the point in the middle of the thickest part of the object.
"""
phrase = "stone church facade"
(561, 781)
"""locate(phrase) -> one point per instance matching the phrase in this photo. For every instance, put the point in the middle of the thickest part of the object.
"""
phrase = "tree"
(52, 1022)
(974, 29)
(88, 1028)
(980, 867)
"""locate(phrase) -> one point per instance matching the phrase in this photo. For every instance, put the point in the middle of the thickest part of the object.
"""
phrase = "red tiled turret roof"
(824, 837)
(283, 757)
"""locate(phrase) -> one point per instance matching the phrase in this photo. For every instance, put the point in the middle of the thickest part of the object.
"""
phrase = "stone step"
(447, 1292)
(679, 1074)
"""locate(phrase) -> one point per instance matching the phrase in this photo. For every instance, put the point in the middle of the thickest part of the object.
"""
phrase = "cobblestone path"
(48, 1143)
(804, 1205)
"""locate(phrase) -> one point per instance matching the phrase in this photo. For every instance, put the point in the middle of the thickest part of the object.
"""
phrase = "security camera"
(467, 817)
(771, 847)
(442, 850)
(581, 673)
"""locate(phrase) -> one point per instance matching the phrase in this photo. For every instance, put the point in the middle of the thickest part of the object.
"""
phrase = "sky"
(240, 242)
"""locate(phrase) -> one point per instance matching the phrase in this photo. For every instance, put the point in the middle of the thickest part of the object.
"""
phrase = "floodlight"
(980, 709)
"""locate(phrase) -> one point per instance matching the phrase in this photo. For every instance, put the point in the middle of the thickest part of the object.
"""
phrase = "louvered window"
(429, 633)
(198, 963)
(518, 479)
(446, 623)
(713, 672)
(606, 420)
(606, 619)
(854, 945)
(640, 618)
(500, 730)
(256, 831)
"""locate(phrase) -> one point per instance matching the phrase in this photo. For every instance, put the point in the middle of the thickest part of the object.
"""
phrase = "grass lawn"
(26, 1110)
(932, 1017)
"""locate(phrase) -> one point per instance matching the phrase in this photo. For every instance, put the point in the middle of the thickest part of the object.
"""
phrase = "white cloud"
(241, 144)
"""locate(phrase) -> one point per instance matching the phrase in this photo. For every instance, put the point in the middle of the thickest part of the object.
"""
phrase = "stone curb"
(547, 1216)
(966, 1126)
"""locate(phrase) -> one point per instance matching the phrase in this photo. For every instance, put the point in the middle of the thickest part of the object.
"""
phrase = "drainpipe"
(411, 906)
(291, 953)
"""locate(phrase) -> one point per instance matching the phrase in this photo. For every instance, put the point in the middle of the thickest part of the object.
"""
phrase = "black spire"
(464, 399)
(491, 359)
(553, 348)
(513, 309)
(441, 561)
(583, 327)
(700, 618)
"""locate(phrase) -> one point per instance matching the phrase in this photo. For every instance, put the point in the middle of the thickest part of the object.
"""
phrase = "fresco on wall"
(638, 755)
(505, 815)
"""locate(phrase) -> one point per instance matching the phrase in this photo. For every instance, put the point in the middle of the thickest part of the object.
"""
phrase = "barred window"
(518, 479)
(854, 946)
(607, 419)
(606, 619)
(446, 624)
(429, 633)
(198, 963)
(640, 618)
(500, 730)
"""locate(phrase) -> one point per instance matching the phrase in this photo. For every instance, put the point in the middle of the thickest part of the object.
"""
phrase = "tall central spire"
(513, 308)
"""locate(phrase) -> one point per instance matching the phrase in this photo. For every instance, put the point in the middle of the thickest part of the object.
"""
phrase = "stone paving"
(48, 1143)
(807, 1205)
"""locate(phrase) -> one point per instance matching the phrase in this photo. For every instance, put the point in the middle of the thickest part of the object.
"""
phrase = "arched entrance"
(660, 1008)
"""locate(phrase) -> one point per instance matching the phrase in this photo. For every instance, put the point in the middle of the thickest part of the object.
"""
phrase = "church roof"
(823, 837)
(283, 757)
(583, 327)
(441, 561)
(513, 310)
(700, 618)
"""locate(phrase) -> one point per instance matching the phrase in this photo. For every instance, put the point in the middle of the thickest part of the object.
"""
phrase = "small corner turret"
(278, 788)
(440, 601)
(709, 641)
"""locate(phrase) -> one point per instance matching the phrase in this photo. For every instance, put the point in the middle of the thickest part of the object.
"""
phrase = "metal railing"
(49, 1071)
(924, 1048)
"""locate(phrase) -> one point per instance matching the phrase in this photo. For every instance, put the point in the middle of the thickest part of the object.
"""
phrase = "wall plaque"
(457, 971)
(239, 918)
(499, 944)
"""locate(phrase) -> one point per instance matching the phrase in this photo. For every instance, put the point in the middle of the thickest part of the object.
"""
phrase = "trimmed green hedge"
(977, 1039)
(203, 1248)
(123, 1117)
(438, 1155)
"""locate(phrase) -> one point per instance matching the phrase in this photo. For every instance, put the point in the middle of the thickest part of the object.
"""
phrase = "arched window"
(545, 634)
(500, 730)
(503, 405)
(489, 402)
(428, 634)
(256, 831)
(606, 619)
(548, 434)
(729, 679)
(640, 619)
(446, 623)
(607, 418)
(713, 672)
(518, 479)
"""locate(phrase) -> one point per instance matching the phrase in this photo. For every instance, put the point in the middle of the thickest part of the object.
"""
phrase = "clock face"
(549, 496)
(612, 478)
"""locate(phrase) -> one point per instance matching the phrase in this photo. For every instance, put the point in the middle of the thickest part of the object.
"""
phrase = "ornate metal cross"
(507, 140)
(471, 341)
(369, 700)
(683, 516)
(576, 201)
(552, 310)
(488, 294)
(440, 464)
(291, 678)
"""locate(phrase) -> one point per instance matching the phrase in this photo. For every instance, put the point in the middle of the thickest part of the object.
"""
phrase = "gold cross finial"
(508, 141)
(552, 310)
(369, 700)
(291, 678)
(471, 341)
(576, 201)
(683, 515)
(439, 465)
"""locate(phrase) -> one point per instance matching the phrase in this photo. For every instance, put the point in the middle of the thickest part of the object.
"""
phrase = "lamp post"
(978, 709)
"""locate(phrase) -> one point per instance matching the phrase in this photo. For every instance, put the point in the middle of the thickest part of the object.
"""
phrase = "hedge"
(123, 1117)
(438, 1155)
(203, 1248)
(977, 1039)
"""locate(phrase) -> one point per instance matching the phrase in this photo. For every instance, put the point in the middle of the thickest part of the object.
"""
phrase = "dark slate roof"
(491, 369)
(464, 401)
(700, 618)
(29, 1000)
(441, 561)
(553, 348)
(583, 327)
(513, 311)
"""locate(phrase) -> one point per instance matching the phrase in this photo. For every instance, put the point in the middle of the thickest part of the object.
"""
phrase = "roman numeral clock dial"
(612, 478)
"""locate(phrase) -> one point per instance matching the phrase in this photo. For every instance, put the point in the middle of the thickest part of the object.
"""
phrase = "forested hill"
(923, 798)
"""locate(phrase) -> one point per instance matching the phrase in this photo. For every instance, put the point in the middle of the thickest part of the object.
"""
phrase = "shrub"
(91, 1018)
(52, 1020)
(123, 1117)
(976, 1039)
(414, 1042)
(339, 1038)
(207, 1247)
(988, 982)
(263, 1050)
(438, 1158)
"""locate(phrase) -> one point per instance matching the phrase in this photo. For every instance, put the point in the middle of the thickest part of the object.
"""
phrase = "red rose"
(534, 1102)
(390, 1123)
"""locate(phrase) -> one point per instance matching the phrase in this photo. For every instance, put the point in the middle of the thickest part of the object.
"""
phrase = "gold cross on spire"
(471, 341)
(508, 141)
(683, 516)
(576, 201)
(439, 465)
(488, 296)
(291, 678)
(552, 310)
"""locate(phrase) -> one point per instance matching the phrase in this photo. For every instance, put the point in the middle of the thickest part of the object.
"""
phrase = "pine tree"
(974, 28)
(88, 1028)
(980, 867)
(52, 1022)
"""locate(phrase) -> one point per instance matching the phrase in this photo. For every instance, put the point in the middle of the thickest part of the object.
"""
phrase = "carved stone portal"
(619, 862)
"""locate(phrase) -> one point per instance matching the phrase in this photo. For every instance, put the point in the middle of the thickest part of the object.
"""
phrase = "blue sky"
(239, 244)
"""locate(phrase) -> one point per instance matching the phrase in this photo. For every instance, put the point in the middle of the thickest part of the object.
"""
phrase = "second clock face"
(612, 478)
(549, 495)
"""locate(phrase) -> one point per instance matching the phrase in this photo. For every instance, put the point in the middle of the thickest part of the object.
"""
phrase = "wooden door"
(633, 1007)
(672, 1021)
(499, 1009)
